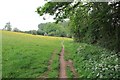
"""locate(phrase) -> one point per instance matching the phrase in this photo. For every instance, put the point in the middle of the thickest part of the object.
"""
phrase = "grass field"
(27, 56)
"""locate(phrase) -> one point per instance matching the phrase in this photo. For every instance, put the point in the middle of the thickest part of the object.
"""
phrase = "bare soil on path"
(64, 64)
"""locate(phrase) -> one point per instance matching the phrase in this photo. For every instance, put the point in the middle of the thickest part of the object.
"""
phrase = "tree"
(40, 30)
(95, 23)
(8, 26)
(16, 30)
(34, 32)
(52, 29)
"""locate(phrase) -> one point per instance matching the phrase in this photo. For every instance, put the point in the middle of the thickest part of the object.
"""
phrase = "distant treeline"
(47, 29)
(53, 29)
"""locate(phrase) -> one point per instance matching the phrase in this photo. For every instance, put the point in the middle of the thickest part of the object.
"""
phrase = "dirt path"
(62, 64)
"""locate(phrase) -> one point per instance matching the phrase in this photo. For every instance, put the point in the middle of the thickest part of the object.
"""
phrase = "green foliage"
(34, 32)
(95, 23)
(16, 30)
(8, 27)
(92, 61)
(53, 29)
(52, 8)
(97, 62)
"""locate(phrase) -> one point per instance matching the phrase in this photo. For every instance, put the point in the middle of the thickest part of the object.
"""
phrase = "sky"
(21, 14)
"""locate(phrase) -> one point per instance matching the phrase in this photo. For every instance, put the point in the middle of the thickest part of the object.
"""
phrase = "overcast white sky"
(21, 14)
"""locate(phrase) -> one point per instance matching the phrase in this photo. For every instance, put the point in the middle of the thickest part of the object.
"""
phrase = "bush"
(96, 62)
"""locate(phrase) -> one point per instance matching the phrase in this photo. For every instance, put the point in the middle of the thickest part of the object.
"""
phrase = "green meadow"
(27, 56)
(60, 39)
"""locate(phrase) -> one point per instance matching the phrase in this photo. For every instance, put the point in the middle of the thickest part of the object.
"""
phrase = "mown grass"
(92, 61)
(27, 56)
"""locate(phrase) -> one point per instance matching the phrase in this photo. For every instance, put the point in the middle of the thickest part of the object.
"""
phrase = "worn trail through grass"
(64, 64)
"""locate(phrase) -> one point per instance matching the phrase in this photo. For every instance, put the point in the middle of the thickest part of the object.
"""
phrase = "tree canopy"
(91, 22)
(53, 29)
(8, 27)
